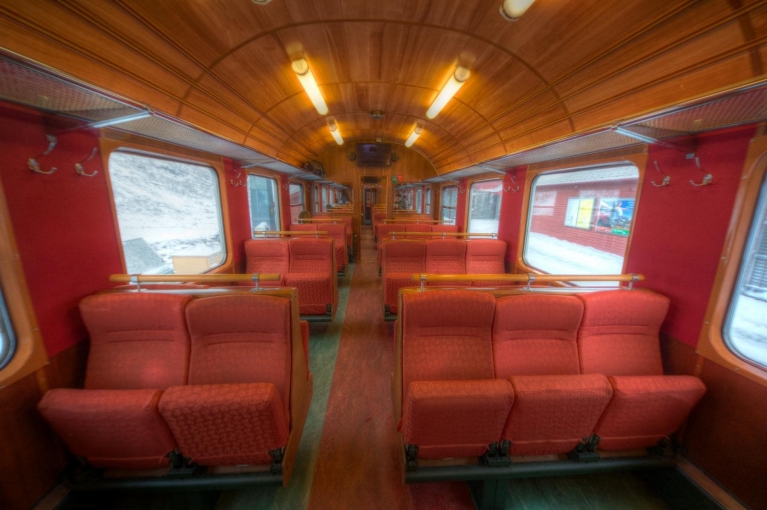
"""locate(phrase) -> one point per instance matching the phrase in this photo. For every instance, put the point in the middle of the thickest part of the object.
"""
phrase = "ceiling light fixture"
(305, 76)
(512, 10)
(333, 127)
(455, 82)
(414, 136)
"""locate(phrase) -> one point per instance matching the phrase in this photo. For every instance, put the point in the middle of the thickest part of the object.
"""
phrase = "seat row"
(384, 230)
(308, 264)
(402, 258)
(216, 381)
(534, 374)
(338, 232)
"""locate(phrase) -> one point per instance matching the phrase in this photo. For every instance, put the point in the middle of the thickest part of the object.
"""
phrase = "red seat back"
(241, 339)
(446, 336)
(446, 256)
(417, 227)
(536, 335)
(138, 341)
(385, 228)
(267, 256)
(335, 230)
(404, 257)
(619, 332)
(303, 227)
(444, 228)
(311, 256)
(485, 256)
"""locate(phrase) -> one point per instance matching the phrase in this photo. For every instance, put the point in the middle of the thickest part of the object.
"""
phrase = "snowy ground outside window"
(556, 256)
(747, 331)
(483, 226)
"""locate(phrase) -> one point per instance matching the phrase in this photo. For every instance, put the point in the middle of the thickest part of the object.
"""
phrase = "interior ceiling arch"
(566, 66)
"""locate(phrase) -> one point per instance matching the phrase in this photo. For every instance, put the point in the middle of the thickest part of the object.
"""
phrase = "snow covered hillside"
(173, 206)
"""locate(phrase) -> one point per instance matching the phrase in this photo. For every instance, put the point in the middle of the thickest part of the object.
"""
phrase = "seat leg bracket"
(411, 457)
(586, 451)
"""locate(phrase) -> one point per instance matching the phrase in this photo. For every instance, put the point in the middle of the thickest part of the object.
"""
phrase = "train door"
(370, 200)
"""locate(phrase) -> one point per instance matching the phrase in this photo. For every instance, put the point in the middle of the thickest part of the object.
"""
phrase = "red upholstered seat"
(337, 231)
(226, 424)
(444, 228)
(446, 256)
(139, 346)
(485, 256)
(137, 341)
(645, 409)
(303, 227)
(417, 227)
(455, 418)
(313, 272)
(267, 256)
(619, 338)
(535, 334)
(110, 428)
(447, 363)
(553, 413)
(236, 407)
(401, 260)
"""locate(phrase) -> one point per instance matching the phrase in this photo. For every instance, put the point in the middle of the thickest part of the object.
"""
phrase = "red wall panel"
(511, 212)
(680, 229)
(460, 204)
(239, 214)
(62, 222)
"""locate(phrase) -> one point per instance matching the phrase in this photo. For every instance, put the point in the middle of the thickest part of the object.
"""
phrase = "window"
(264, 200)
(745, 327)
(485, 206)
(296, 201)
(428, 201)
(579, 220)
(449, 199)
(419, 201)
(316, 200)
(169, 213)
(7, 337)
(324, 205)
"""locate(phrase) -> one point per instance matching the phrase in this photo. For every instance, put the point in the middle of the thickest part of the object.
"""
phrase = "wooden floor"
(347, 456)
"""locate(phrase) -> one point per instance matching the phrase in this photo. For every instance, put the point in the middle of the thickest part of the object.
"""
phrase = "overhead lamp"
(333, 127)
(512, 10)
(455, 82)
(305, 76)
(414, 136)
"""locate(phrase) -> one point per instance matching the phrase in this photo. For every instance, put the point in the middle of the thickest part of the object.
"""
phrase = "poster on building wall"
(579, 212)
(614, 216)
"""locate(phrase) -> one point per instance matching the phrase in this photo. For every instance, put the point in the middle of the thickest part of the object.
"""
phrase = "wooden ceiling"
(566, 66)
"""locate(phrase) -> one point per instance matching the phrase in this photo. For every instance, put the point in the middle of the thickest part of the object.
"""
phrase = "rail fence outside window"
(169, 213)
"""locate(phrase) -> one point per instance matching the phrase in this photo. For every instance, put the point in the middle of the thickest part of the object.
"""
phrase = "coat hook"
(239, 182)
(32, 163)
(514, 182)
(707, 178)
(666, 178)
(79, 166)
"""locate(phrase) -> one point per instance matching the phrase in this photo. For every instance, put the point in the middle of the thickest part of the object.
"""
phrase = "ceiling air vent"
(373, 154)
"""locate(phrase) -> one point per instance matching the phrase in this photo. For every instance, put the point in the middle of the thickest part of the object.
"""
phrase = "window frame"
(442, 205)
(427, 200)
(151, 148)
(302, 195)
(29, 354)
(470, 185)
(636, 156)
(711, 342)
(278, 205)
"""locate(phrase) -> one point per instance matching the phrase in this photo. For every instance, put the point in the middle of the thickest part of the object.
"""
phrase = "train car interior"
(402, 254)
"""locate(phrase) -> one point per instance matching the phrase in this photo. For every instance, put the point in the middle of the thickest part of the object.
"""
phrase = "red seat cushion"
(446, 256)
(536, 334)
(312, 256)
(446, 335)
(241, 339)
(455, 418)
(267, 256)
(315, 291)
(110, 428)
(485, 256)
(645, 409)
(619, 332)
(226, 424)
(137, 340)
(553, 413)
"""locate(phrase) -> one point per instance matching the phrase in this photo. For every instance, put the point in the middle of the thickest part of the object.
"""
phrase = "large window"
(745, 328)
(324, 205)
(485, 206)
(169, 214)
(7, 338)
(449, 200)
(296, 201)
(579, 220)
(419, 200)
(264, 200)
(428, 201)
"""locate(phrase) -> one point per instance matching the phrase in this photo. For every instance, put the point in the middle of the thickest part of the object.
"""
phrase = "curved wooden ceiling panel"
(565, 66)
